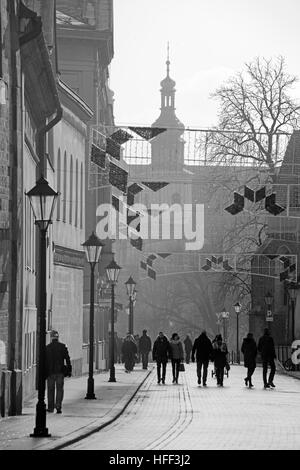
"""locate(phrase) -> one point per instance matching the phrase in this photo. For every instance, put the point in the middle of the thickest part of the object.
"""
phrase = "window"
(58, 184)
(65, 189)
(71, 191)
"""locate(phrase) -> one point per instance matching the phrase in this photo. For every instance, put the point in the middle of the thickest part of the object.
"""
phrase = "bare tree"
(256, 111)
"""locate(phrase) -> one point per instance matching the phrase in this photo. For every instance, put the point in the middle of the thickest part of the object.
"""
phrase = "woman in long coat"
(176, 356)
(129, 351)
(249, 349)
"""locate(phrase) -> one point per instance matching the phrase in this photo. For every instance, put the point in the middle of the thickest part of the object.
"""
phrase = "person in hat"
(145, 347)
(58, 365)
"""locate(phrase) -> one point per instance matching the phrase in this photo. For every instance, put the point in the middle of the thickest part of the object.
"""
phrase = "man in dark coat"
(249, 349)
(204, 350)
(161, 353)
(56, 369)
(267, 351)
(188, 345)
(145, 348)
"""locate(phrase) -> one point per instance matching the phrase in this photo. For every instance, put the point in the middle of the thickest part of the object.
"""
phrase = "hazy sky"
(209, 41)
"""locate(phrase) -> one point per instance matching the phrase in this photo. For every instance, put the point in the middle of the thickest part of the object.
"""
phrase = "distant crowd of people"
(202, 350)
(135, 349)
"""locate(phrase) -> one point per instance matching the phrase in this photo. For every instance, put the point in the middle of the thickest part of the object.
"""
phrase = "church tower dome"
(167, 116)
(168, 148)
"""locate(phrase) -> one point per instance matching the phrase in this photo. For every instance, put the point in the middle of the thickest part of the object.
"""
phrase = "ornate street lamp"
(112, 272)
(269, 299)
(92, 247)
(42, 200)
(237, 308)
(130, 286)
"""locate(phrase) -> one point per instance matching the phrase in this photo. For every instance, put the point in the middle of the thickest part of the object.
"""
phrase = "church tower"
(167, 149)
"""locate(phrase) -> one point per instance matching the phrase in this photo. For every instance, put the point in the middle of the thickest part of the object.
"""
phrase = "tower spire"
(168, 59)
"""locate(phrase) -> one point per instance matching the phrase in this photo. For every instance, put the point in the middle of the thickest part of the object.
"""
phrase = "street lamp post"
(237, 308)
(293, 295)
(92, 247)
(112, 272)
(42, 200)
(130, 286)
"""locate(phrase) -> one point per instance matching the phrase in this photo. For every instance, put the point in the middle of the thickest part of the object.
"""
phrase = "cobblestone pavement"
(188, 416)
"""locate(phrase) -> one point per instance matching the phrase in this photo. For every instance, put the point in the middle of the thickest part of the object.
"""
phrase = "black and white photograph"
(149, 228)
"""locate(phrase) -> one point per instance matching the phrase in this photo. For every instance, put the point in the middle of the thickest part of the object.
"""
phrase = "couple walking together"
(163, 350)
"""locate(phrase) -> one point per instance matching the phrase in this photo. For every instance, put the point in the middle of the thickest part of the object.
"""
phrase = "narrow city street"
(188, 416)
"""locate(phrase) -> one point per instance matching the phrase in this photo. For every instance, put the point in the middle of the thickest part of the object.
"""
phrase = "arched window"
(81, 195)
(71, 191)
(76, 194)
(65, 189)
(58, 184)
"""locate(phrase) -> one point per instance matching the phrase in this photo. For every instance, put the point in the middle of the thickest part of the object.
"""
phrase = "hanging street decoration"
(255, 197)
(114, 142)
(138, 243)
(155, 186)
(132, 190)
(115, 203)
(280, 267)
(214, 263)
(148, 264)
(118, 177)
(98, 156)
(147, 133)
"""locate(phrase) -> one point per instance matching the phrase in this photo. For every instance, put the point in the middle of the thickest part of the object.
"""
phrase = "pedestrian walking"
(144, 348)
(267, 351)
(220, 352)
(249, 349)
(137, 342)
(177, 356)
(161, 353)
(204, 352)
(188, 345)
(58, 366)
(129, 351)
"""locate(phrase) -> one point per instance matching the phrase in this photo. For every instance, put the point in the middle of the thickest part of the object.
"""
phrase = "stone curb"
(95, 426)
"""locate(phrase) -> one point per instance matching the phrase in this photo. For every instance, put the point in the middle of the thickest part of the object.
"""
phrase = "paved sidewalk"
(187, 416)
(80, 417)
